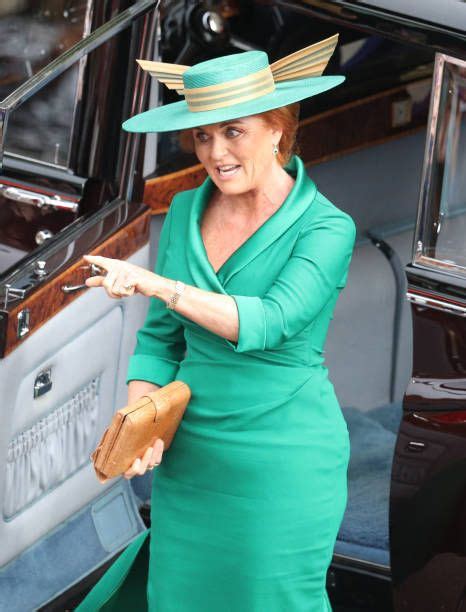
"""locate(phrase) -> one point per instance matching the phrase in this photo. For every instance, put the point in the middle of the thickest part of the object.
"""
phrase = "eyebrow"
(231, 121)
(223, 123)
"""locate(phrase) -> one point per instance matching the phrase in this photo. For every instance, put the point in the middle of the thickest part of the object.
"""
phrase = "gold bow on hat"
(308, 62)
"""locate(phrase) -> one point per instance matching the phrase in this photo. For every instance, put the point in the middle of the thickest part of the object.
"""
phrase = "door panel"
(53, 434)
(45, 441)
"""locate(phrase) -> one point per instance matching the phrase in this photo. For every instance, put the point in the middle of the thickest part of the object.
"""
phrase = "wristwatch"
(179, 288)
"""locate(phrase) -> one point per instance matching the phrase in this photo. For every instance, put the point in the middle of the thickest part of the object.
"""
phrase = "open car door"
(428, 488)
(70, 184)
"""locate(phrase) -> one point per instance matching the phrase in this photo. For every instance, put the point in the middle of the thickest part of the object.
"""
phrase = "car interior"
(369, 343)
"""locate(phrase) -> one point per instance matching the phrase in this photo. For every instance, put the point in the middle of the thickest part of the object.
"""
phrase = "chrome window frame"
(64, 61)
(418, 258)
(77, 99)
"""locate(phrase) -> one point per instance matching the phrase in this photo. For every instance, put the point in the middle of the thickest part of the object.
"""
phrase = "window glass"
(32, 34)
(443, 240)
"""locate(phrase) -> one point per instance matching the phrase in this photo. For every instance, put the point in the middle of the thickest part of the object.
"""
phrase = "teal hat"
(234, 86)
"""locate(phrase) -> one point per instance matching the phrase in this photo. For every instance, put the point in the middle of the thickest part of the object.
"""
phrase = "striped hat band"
(255, 81)
(235, 91)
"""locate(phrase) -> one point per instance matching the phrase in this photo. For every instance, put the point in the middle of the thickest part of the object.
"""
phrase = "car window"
(442, 228)
(32, 34)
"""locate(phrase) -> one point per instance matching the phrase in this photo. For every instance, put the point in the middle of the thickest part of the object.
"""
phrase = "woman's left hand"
(119, 274)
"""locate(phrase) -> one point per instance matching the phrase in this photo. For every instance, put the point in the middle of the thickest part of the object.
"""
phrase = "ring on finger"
(118, 290)
(126, 287)
(123, 290)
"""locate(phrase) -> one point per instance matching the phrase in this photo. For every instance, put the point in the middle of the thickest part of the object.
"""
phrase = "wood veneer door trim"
(159, 191)
(49, 299)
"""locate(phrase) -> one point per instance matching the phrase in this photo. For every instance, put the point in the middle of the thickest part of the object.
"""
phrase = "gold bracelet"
(179, 288)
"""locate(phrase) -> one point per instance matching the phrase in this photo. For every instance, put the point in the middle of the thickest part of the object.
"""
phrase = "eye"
(201, 136)
(232, 132)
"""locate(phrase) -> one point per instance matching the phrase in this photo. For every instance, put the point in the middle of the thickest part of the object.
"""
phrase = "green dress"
(249, 498)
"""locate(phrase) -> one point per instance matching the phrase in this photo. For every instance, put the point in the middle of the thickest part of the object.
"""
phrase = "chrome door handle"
(95, 271)
(37, 199)
(43, 382)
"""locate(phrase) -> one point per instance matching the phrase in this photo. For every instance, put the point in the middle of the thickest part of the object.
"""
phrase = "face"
(237, 154)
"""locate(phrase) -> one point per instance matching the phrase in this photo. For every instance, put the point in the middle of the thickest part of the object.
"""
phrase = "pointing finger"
(101, 261)
(94, 281)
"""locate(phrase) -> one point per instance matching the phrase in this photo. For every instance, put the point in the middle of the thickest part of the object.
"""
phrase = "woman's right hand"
(151, 458)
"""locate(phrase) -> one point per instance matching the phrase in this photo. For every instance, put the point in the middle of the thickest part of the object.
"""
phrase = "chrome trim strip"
(429, 149)
(417, 255)
(437, 304)
(33, 160)
(78, 94)
(447, 267)
(137, 100)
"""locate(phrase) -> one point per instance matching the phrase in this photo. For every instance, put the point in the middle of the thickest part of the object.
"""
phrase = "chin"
(230, 187)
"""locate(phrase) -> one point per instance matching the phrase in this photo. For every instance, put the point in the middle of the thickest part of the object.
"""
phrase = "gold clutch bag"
(136, 427)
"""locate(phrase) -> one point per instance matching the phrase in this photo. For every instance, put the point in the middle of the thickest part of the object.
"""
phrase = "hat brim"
(177, 116)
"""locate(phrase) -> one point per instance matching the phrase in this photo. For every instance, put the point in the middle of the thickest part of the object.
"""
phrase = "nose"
(218, 148)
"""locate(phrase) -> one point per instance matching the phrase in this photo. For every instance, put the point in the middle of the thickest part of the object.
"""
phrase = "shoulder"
(184, 197)
(322, 213)
(181, 202)
(178, 212)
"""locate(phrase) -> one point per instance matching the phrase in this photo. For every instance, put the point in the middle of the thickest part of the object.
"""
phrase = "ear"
(276, 135)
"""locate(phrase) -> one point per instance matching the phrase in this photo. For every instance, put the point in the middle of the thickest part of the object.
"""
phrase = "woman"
(248, 501)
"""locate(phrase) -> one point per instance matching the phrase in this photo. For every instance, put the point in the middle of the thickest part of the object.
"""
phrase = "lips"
(227, 170)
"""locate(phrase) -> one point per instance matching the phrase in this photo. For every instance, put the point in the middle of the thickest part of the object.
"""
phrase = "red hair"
(285, 118)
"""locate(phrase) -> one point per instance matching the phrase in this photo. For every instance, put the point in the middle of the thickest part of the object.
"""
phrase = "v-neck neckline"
(199, 270)
(209, 186)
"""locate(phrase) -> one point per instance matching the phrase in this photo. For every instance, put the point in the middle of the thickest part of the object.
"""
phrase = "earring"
(275, 150)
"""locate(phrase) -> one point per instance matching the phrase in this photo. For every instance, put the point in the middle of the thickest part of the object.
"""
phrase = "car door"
(70, 184)
(428, 487)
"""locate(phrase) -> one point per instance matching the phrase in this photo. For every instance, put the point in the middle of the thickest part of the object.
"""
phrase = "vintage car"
(388, 147)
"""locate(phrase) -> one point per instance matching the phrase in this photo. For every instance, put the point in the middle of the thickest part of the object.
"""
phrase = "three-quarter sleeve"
(318, 264)
(160, 342)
